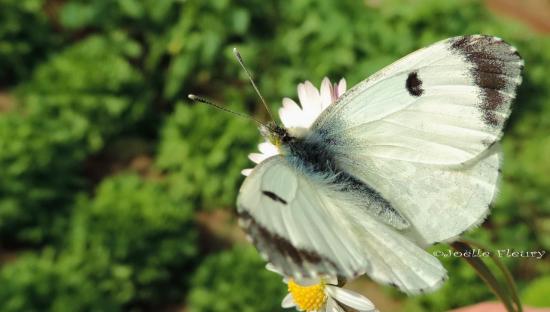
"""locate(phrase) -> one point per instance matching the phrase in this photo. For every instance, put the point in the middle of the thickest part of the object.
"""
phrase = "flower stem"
(509, 295)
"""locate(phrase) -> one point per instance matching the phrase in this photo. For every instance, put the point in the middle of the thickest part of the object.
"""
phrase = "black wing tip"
(468, 44)
(496, 68)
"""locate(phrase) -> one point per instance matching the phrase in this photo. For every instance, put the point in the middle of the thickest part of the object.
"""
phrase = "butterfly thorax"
(307, 150)
(312, 154)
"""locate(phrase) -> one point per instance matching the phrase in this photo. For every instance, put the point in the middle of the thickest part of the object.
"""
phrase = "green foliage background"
(107, 174)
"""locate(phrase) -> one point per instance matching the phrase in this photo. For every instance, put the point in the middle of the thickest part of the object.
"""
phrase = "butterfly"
(406, 158)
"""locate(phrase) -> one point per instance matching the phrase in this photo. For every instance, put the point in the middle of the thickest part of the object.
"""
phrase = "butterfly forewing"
(441, 105)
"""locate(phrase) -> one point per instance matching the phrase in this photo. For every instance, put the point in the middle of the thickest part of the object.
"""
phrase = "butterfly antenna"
(241, 62)
(199, 99)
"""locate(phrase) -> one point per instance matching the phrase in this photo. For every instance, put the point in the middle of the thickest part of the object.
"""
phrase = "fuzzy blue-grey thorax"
(312, 156)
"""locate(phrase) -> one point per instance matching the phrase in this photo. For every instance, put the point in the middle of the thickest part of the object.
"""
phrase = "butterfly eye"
(283, 135)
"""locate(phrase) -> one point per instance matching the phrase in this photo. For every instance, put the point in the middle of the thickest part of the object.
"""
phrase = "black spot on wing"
(496, 69)
(414, 84)
(277, 248)
(274, 197)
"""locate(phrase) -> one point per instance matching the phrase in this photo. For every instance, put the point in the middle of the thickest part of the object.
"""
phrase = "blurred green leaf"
(236, 280)
(536, 293)
(146, 232)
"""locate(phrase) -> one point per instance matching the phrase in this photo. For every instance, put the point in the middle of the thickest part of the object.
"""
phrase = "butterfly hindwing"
(307, 229)
(440, 203)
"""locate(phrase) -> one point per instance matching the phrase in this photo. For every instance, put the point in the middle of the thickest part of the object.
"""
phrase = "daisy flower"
(298, 118)
(321, 295)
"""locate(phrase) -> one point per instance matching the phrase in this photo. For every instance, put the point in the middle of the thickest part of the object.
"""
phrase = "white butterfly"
(404, 159)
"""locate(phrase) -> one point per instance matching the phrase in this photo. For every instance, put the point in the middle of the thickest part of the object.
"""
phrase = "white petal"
(290, 104)
(341, 87)
(291, 115)
(257, 157)
(246, 172)
(310, 99)
(268, 149)
(313, 94)
(302, 95)
(332, 280)
(288, 302)
(271, 268)
(332, 306)
(326, 93)
(350, 298)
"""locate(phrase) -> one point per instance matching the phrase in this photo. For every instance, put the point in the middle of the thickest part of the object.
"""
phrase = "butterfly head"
(275, 134)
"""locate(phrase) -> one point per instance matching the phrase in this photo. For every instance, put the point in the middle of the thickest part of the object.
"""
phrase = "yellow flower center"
(308, 298)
